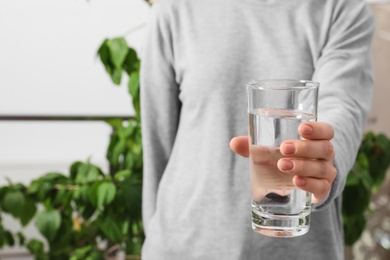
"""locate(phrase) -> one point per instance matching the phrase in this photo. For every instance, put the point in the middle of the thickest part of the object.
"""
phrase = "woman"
(197, 58)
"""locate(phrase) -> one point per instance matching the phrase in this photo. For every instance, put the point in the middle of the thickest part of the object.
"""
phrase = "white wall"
(48, 66)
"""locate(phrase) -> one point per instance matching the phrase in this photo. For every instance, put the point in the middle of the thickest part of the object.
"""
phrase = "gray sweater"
(197, 58)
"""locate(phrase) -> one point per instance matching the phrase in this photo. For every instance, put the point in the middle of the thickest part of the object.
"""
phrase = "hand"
(309, 160)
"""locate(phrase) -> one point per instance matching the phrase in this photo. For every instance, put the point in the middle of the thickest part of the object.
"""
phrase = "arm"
(344, 70)
(160, 108)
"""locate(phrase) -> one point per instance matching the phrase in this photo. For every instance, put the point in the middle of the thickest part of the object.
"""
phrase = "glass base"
(281, 225)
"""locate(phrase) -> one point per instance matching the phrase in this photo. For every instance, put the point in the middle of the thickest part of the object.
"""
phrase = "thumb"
(240, 145)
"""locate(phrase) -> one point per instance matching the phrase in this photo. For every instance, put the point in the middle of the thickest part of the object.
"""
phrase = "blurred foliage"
(364, 179)
(86, 213)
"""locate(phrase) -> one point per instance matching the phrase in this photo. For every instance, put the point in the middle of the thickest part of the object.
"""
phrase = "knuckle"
(328, 147)
(333, 173)
(332, 133)
(304, 146)
(324, 167)
(299, 166)
(328, 170)
(325, 187)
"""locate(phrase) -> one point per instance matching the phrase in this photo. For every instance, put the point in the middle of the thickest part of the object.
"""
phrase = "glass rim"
(282, 84)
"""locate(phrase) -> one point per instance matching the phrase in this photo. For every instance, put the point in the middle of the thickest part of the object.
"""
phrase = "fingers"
(318, 149)
(310, 160)
(319, 188)
(318, 169)
(240, 145)
(316, 145)
(316, 131)
(315, 176)
(311, 163)
(308, 130)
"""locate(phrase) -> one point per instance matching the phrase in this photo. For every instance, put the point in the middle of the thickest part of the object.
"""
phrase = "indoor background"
(49, 67)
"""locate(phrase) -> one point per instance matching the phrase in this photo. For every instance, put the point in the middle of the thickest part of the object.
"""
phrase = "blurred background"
(49, 68)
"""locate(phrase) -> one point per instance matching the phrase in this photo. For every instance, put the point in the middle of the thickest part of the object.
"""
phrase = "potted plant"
(364, 180)
(87, 213)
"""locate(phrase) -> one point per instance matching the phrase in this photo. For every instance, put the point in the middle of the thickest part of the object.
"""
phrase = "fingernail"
(300, 182)
(288, 148)
(307, 129)
(286, 165)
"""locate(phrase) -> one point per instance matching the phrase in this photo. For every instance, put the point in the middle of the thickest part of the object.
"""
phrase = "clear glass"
(276, 108)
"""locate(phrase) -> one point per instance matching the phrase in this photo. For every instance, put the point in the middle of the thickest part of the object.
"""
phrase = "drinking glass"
(276, 108)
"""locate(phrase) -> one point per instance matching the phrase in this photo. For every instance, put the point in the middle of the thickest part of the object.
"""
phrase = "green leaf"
(43, 256)
(353, 229)
(362, 172)
(34, 187)
(53, 176)
(41, 188)
(64, 240)
(86, 204)
(44, 190)
(114, 139)
(81, 193)
(118, 50)
(29, 209)
(356, 200)
(21, 238)
(3, 191)
(95, 255)
(87, 173)
(110, 53)
(115, 123)
(131, 63)
(377, 150)
(2, 237)
(48, 222)
(92, 193)
(13, 201)
(132, 195)
(19, 187)
(105, 194)
(134, 84)
(74, 168)
(81, 252)
(111, 229)
(116, 75)
(10, 239)
(352, 179)
(118, 151)
(120, 175)
(104, 53)
(384, 143)
(35, 246)
(133, 87)
(62, 197)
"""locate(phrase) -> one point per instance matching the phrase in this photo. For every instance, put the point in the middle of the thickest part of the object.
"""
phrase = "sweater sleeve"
(345, 72)
(160, 107)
